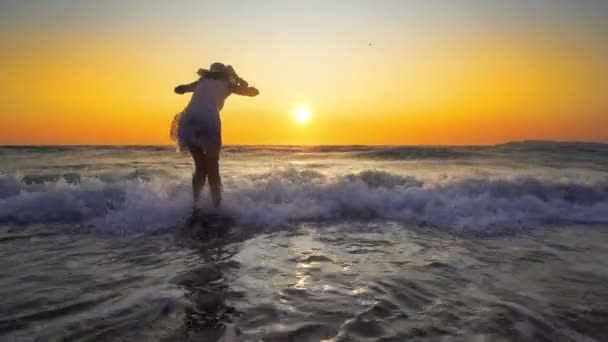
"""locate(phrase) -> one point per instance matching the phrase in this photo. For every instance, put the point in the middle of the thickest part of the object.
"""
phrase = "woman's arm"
(238, 85)
(186, 88)
(245, 91)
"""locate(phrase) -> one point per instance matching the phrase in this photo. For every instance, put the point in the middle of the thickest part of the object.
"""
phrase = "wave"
(417, 153)
(289, 196)
(542, 152)
(361, 151)
(543, 145)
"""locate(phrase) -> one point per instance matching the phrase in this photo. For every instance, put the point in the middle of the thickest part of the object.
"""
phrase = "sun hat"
(217, 67)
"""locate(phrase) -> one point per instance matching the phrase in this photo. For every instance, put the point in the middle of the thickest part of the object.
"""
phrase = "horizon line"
(319, 145)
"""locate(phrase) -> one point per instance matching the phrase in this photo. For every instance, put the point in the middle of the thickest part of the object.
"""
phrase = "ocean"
(325, 243)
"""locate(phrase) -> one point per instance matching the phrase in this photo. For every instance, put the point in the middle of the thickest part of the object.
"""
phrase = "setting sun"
(229, 153)
(302, 115)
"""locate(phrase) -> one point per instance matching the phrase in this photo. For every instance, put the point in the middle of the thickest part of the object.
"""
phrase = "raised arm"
(238, 85)
(245, 91)
(186, 88)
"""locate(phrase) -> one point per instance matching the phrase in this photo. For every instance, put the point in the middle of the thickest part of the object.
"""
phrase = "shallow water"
(505, 243)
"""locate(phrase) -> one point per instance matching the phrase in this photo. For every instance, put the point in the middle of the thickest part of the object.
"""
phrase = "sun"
(302, 115)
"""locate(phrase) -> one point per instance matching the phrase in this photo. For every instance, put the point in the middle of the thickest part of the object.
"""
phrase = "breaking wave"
(288, 196)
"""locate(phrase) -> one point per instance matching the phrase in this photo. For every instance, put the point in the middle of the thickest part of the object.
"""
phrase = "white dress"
(199, 125)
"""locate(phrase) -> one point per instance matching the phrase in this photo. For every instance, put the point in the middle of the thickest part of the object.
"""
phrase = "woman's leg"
(200, 173)
(212, 157)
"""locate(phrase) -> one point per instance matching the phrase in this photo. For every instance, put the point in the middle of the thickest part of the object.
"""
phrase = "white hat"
(217, 67)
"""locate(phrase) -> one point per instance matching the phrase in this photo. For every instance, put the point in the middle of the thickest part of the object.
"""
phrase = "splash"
(288, 196)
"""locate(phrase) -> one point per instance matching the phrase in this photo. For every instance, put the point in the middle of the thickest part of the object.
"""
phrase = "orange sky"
(435, 74)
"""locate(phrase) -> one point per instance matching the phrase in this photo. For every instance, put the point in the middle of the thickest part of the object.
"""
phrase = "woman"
(198, 129)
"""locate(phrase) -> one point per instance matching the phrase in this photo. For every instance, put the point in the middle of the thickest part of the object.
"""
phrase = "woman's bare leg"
(200, 174)
(212, 157)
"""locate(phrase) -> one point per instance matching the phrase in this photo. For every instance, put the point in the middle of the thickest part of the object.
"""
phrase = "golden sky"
(437, 72)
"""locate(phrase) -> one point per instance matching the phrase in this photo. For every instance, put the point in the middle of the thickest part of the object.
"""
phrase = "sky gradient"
(437, 72)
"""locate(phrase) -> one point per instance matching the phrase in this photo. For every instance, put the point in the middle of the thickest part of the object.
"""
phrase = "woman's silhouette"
(198, 128)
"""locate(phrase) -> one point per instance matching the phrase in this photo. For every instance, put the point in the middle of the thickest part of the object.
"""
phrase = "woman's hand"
(185, 88)
(246, 91)
(179, 89)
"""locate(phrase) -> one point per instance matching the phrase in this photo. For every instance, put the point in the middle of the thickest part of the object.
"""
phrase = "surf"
(291, 196)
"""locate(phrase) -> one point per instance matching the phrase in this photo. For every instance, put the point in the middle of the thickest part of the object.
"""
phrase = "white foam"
(289, 196)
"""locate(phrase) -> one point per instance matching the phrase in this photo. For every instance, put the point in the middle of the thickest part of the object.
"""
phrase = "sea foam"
(290, 196)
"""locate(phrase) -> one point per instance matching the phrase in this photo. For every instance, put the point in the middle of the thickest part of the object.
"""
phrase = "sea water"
(335, 243)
